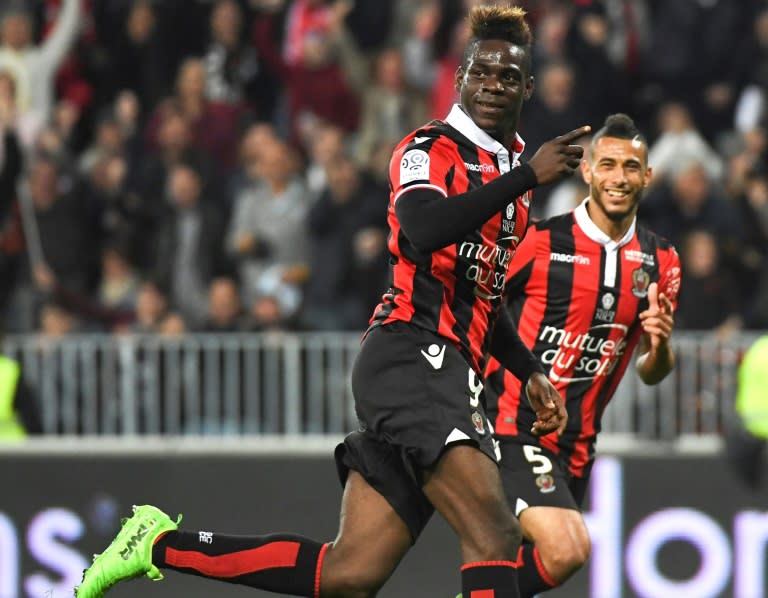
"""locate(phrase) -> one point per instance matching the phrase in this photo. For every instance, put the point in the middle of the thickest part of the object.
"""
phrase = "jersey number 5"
(541, 463)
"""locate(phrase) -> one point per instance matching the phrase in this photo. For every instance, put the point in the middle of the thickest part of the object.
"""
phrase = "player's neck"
(614, 229)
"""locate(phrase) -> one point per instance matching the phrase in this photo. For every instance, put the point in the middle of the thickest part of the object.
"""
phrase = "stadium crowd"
(221, 165)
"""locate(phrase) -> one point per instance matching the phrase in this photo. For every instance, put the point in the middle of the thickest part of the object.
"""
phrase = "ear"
(529, 87)
(459, 78)
(586, 170)
(648, 177)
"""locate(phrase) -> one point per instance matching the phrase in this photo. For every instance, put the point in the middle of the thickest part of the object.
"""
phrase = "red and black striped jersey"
(575, 297)
(455, 291)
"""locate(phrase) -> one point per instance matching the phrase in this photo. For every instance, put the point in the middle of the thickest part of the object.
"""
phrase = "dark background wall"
(661, 526)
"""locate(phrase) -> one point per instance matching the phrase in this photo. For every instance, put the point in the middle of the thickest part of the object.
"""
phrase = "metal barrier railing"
(292, 384)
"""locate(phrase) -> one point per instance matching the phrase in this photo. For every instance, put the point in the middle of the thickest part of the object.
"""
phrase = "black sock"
(489, 579)
(532, 577)
(283, 563)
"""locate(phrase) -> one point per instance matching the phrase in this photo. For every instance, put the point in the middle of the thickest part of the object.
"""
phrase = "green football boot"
(130, 553)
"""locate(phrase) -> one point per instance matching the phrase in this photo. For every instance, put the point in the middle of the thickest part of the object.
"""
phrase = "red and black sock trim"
(283, 563)
(532, 577)
(489, 579)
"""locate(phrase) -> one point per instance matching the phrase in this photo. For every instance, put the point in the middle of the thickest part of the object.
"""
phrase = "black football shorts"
(533, 476)
(415, 395)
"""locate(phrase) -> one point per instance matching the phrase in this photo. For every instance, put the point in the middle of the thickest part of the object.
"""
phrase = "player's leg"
(546, 499)
(557, 546)
(372, 539)
(465, 488)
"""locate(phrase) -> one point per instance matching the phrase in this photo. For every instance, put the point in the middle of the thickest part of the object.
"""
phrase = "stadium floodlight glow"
(688, 525)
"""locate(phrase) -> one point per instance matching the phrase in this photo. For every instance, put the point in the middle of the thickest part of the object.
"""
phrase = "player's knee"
(345, 575)
(564, 559)
(353, 584)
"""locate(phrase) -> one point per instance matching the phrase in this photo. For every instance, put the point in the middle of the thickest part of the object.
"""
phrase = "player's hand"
(551, 415)
(558, 157)
(657, 320)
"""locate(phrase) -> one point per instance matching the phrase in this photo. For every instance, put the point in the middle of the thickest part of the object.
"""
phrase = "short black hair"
(619, 126)
(504, 22)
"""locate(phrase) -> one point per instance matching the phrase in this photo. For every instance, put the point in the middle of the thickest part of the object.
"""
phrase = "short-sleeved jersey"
(457, 290)
(575, 297)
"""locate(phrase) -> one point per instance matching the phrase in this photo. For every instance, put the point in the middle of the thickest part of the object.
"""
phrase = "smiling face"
(493, 82)
(616, 172)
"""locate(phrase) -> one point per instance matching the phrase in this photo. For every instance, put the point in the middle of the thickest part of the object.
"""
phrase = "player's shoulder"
(651, 240)
(553, 223)
(426, 137)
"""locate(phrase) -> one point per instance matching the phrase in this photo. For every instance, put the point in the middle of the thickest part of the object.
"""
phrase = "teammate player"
(458, 208)
(586, 288)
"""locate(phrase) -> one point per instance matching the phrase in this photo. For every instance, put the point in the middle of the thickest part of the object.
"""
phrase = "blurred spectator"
(316, 82)
(34, 67)
(686, 200)
(752, 104)
(189, 243)
(702, 45)
(746, 439)
(389, 109)
(679, 142)
(26, 124)
(347, 239)
(257, 139)
(151, 307)
(56, 321)
(19, 408)
(705, 278)
(267, 230)
(419, 61)
(232, 66)
(66, 224)
(119, 284)
(225, 313)
(552, 110)
(214, 126)
(604, 42)
(325, 144)
(11, 235)
(174, 146)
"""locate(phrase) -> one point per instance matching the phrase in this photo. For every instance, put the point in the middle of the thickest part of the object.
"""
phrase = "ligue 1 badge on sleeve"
(640, 281)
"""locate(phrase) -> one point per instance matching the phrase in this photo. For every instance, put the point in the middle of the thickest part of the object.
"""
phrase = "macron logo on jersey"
(486, 168)
(434, 355)
(569, 259)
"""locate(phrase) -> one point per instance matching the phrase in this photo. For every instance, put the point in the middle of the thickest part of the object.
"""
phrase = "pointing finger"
(653, 296)
(574, 135)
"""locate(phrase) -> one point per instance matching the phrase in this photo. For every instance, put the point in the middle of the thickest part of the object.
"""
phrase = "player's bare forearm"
(654, 363)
